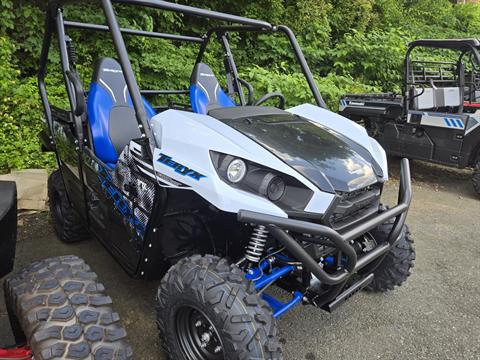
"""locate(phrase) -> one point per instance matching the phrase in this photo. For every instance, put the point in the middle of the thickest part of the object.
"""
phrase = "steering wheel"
(276, 94)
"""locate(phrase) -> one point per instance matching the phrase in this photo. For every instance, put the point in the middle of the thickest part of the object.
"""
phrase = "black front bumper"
(279, 228)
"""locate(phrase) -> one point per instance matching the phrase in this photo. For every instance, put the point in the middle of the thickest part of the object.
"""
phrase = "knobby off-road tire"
(476, 177)
(66, 221)
(62, 311)
(206, 295)
(396, 266)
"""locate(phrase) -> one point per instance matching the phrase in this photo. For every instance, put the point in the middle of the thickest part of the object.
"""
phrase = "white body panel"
(189, 137)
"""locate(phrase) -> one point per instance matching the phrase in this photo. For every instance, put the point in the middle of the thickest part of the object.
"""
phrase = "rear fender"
(8, 225)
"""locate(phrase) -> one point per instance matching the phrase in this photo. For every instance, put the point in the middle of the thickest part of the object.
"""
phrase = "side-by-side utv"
(219, 196)
(438, 116)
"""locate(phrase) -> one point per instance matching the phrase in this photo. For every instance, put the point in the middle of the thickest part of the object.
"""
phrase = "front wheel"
(206, 309)
(396, 266)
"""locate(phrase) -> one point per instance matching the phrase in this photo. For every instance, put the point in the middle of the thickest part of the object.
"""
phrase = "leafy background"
(351, 46)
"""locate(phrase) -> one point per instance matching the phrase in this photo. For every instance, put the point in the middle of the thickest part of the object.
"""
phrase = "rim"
(197, 336)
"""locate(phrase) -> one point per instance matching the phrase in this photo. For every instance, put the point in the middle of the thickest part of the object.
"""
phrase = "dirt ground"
(435, 315)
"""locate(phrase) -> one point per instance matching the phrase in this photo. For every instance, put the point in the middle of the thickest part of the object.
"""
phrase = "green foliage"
(374, 57)
(351, 46)
(20, 111)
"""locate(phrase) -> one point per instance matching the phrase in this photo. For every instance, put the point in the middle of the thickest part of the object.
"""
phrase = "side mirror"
(79, 93)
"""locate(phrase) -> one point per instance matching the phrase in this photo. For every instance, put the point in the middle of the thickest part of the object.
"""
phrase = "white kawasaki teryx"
(221, 198)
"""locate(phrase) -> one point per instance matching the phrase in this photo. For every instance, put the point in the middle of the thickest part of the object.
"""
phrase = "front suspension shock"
(256, 246)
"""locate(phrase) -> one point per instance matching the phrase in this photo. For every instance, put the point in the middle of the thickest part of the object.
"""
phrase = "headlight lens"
(236, 171)
(273, 187)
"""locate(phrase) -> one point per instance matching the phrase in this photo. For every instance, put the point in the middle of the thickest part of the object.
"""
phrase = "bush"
(20, 113)
(351, 46)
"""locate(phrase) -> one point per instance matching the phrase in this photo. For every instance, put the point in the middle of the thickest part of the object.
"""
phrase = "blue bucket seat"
(110, 111)
(205, 91)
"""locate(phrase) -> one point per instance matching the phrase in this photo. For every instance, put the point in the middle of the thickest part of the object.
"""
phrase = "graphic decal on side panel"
(179, 168)
(120, 204)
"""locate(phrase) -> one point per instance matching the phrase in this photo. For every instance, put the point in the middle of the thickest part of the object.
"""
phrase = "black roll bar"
(190, 10)
(279, 226)
(96, 27)
(303, 65)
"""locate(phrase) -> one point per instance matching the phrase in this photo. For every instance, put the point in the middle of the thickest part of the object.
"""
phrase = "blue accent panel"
(460, 123)
(99, 106)
(223, 99)
(200, 101)
(447, 122)
(280, 308)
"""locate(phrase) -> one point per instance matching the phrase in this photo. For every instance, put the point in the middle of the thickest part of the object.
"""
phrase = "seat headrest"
(205, 91)
(204, 77)
(108, 73)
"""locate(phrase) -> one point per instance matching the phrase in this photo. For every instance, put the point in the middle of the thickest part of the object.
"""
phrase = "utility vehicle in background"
(438, 116)
(219, 196)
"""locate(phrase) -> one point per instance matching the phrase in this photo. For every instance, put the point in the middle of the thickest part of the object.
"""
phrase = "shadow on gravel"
(437, 177)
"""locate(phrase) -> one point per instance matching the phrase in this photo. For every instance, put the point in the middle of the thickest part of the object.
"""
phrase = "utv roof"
(452, 44)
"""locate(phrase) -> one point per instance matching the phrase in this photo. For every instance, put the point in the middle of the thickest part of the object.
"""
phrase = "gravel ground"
(435, 315)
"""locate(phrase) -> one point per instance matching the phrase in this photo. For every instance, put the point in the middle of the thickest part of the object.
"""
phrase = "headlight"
(273, 187)
(286, 191)
(236, 171)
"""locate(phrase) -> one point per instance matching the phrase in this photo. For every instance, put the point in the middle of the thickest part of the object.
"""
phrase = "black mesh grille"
(355, 206)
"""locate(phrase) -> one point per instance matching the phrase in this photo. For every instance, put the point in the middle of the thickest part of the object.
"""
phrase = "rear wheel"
(476, 176)
(66, 221)
(206, 309)
(63, 312)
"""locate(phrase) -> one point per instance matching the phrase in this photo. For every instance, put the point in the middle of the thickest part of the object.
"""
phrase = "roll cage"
(445, 74)
(55, 23)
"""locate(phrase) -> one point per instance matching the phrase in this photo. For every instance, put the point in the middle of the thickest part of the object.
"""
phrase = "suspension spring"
(256, 245)
(72, 51)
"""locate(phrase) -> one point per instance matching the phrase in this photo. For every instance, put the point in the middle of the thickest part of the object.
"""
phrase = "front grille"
(352, 207)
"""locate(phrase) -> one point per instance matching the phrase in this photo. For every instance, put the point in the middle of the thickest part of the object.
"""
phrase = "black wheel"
(63, 312)
(66, 221)
(396, 266)
(206, 309)
(476, 177)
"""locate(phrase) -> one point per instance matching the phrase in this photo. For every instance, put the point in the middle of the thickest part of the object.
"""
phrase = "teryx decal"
(179, 168)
